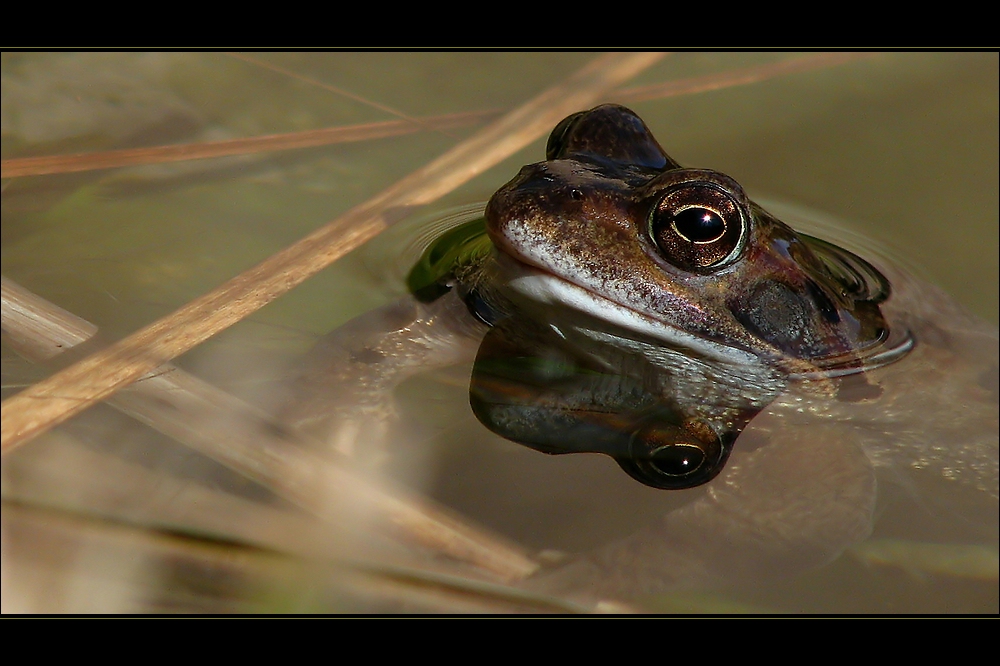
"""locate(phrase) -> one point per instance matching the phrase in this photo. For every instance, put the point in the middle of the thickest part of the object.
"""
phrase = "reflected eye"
(666, 456)
(696, 227)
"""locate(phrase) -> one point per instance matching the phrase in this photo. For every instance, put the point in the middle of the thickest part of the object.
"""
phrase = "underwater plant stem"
(248, 441)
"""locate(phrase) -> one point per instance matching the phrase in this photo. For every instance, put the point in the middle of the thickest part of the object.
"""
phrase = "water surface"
(903, 145)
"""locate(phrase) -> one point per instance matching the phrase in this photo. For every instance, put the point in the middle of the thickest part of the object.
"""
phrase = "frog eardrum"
(644, 310)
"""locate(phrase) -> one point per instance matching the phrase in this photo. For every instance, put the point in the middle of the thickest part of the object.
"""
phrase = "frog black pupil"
(699, 225)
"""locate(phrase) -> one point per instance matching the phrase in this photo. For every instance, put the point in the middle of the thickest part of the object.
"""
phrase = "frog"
(611, 301)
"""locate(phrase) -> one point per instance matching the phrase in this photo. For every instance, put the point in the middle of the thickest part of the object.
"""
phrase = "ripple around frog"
(841, 235)
(442, 241)
(406, 243)
(392, 255)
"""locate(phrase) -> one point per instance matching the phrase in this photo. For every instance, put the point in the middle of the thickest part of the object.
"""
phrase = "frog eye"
(697, 226)
(557, 139)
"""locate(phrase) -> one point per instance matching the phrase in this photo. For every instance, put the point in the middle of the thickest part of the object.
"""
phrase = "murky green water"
(905, 144)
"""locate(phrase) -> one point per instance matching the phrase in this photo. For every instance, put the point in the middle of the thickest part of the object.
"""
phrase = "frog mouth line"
(541, 286)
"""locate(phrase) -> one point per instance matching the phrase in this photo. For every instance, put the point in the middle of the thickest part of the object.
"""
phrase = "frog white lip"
(543, 287)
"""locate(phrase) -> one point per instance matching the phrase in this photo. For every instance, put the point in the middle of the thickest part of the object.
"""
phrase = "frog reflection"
(618, 303)
(644, 310)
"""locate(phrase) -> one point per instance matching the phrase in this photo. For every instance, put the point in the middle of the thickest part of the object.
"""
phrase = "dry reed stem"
(326, 86)
(111, 159)
(52, 164)
(94, 378)
(142, 561)
(737, 77)
(248, 441)
(39, 330)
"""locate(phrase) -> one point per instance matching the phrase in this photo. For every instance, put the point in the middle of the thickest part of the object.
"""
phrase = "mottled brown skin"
(585, 214)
